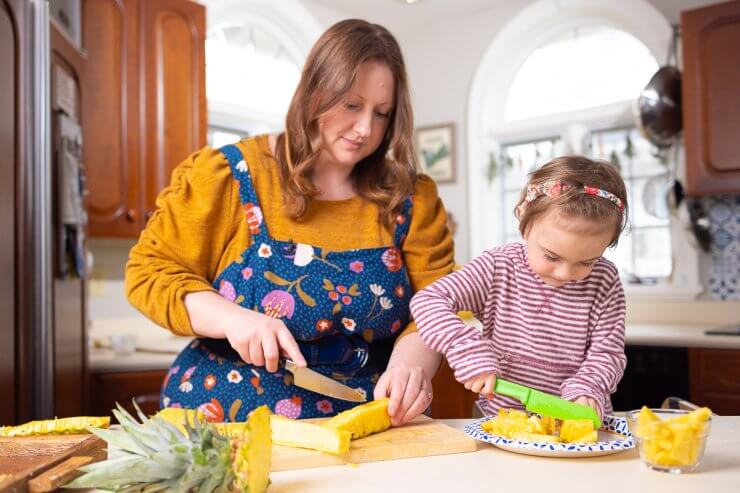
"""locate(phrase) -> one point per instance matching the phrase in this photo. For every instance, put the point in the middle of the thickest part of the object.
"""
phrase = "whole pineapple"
(155, 455)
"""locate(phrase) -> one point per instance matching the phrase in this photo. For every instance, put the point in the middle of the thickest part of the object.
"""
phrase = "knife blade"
(316, 382)
(546, 404)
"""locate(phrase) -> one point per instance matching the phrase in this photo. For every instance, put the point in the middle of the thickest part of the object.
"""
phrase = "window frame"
(532, 27)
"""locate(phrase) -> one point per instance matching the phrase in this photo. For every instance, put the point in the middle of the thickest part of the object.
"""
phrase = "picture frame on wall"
(435, 147)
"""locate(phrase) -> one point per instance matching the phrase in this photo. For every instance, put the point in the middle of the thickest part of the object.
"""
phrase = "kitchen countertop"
(157, 348)
(492, 469)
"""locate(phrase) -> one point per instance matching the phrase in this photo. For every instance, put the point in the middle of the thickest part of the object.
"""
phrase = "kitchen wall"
(442, 53)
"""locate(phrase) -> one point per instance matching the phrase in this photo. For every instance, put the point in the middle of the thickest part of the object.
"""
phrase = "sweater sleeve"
(435, 308)
(180, 249)
(428, 250)
(605, 360)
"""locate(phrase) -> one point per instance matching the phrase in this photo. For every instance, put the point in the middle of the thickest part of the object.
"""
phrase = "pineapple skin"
(363, 420)
(252, 453)
(59, 426)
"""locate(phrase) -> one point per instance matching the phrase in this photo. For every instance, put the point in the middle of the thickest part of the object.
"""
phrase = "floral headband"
(554, 189)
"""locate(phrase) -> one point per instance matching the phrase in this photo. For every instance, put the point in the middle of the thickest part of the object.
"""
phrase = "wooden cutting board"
(423, 437)
(41, 463)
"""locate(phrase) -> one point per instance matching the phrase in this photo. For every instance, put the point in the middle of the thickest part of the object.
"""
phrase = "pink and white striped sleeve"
(468, 350)
(605, 360)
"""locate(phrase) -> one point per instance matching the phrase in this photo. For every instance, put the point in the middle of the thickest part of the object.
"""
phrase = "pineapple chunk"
(362, 420)
(299, 433)
(59, 426)
(674, 441)
(578, 431)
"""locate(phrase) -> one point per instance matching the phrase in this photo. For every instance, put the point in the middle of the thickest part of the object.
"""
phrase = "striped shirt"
(567, 341)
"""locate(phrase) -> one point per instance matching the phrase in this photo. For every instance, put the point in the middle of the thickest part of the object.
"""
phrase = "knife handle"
(511, 389)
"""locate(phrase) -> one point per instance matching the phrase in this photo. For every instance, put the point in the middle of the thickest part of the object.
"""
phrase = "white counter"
(489, 469)
(493, 470)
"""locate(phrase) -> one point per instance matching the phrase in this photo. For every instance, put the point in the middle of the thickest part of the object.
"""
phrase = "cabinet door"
(711, 98)
(173, 86)
(451, 399)
(124, 388)
(715, 379)
(111, 114)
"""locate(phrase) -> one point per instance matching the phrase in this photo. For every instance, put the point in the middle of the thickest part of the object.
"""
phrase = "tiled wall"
(724, 226)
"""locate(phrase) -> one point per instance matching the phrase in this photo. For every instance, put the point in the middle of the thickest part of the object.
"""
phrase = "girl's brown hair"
(385, 178)
(575, 172)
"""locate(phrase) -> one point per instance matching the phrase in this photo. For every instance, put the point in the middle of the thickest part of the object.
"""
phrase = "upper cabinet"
(146, 104)
(711, 98)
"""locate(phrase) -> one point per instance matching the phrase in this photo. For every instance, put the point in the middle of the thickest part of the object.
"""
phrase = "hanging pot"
(659, 107)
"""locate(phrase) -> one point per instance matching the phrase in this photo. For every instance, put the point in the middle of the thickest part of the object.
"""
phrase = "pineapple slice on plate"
(59, 426)
(154, 454)
(363, 420)
(578, 431)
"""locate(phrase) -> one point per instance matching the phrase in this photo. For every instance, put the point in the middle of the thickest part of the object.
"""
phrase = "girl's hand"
(260, 340)
(588, 401)
(409, 389)
(482, 384)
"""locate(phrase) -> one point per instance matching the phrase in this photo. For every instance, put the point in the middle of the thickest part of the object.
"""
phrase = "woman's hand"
(409, 389)
(590, 402)
(482, 384)
(261, 340)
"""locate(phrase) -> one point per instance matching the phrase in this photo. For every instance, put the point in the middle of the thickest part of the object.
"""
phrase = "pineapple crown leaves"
(154, 455)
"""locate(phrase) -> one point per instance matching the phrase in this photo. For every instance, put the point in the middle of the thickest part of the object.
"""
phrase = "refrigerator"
(43, 354)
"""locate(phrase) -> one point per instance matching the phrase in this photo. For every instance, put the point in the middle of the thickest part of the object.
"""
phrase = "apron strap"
(403, 220)
(247, 194)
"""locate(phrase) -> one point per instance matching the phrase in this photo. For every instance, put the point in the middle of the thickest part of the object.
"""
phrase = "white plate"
(614, 436)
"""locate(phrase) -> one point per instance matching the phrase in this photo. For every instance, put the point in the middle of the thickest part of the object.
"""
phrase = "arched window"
(254, 54)
(563, 78)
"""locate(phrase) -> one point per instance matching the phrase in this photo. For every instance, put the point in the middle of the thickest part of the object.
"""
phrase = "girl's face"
(354, 128)
(564, 249)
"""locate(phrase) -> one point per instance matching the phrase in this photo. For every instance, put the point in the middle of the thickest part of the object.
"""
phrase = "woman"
(305, 244)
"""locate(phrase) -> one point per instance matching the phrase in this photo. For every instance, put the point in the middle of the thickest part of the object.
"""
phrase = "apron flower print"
(337, 305)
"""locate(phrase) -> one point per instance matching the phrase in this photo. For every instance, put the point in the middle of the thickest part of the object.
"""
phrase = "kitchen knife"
(545, 404)
(316, 382)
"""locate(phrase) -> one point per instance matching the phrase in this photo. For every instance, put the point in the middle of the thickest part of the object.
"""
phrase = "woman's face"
(355, 127)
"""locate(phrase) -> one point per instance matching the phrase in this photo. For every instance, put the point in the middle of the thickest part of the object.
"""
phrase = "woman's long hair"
(388, 175)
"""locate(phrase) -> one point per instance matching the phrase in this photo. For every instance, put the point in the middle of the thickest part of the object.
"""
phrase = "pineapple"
(675, 441)
(578, 431)
(285, 431)
(155, 455)
(298, 433)
(363, 420)
(59, 426)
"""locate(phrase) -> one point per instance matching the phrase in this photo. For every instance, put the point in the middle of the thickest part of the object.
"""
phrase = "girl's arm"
(605, 360)
(468, 350)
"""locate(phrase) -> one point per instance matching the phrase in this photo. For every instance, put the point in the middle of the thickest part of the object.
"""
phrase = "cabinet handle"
(131, 215)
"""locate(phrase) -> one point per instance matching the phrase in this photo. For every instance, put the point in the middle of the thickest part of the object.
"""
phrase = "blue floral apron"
(344, 308)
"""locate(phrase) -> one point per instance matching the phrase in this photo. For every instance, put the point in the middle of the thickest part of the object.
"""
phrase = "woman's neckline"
(267, 142)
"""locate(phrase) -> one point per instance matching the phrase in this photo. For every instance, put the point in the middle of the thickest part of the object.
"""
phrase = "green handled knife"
(546, 404)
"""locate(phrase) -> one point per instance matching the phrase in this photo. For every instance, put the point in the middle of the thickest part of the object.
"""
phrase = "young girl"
(552, 308)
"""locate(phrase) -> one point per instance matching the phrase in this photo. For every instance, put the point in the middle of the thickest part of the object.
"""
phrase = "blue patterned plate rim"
(611, 424)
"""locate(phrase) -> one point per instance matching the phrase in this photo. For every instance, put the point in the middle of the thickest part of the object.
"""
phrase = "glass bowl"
(675, 444)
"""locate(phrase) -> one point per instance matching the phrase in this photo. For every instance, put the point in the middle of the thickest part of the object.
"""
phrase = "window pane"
(652, 248)
(511, 224)
(521, 159)
(583, 68)
(621, 255)
(653, 197)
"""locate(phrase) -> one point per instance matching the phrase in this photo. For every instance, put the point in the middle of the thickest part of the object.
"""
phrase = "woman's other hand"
(409, 390)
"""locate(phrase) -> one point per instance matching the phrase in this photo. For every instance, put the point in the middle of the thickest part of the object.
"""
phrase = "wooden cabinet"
(147, 104)
(142, 387)
(711, 98)
(715, 379)
(451, 399)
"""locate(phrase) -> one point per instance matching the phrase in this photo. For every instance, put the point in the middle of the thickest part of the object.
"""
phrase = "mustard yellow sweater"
(199, 229)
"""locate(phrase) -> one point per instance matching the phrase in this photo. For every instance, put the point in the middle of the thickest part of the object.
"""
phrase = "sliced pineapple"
(299, 433)
(363, 420)
(59, 426)
(578, 431)
(251, 457)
